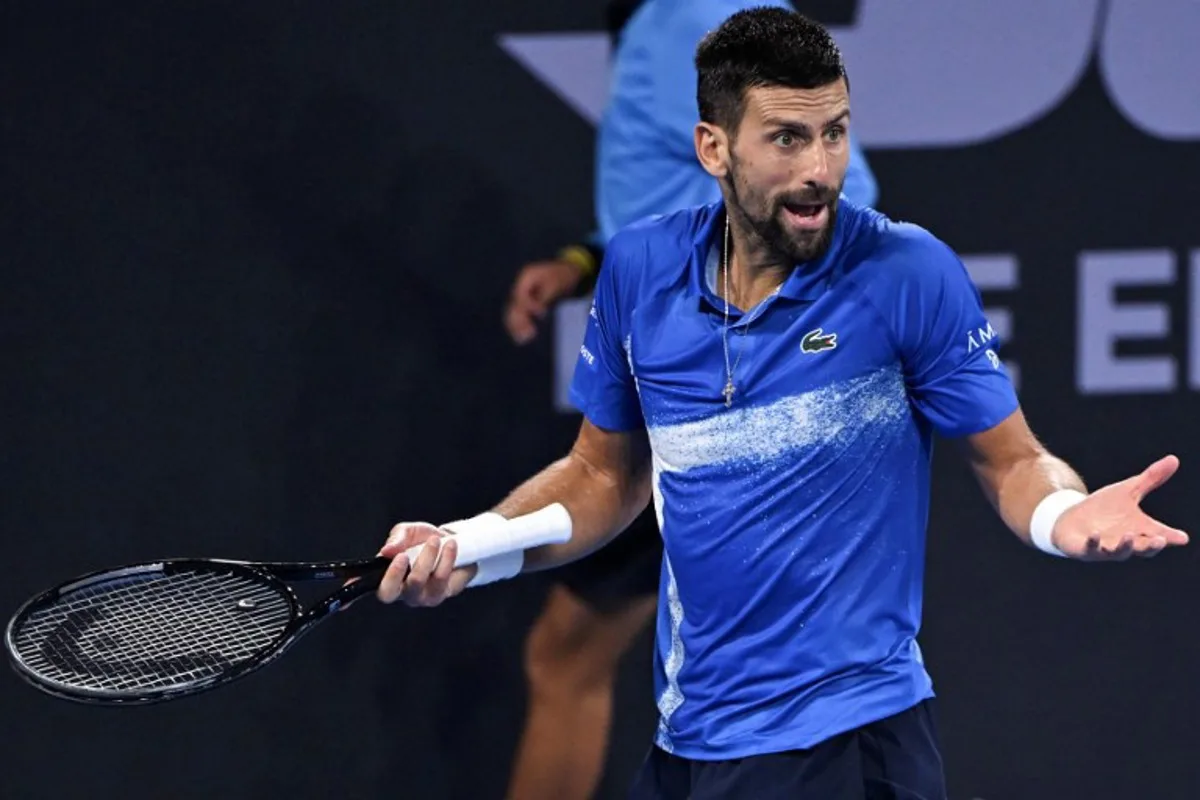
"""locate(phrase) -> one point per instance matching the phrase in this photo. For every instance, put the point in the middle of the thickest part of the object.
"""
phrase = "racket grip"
(498, 536)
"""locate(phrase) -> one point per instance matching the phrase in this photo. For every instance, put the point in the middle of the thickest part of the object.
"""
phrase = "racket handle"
(550, 525)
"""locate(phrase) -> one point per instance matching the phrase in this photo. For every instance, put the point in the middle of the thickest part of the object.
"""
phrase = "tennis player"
(645, 164)
(771, 368)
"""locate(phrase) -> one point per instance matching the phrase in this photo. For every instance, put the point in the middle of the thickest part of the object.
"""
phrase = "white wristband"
(1051, 507)
(496, 568)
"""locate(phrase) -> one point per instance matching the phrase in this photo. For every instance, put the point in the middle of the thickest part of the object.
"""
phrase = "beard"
(768, 218)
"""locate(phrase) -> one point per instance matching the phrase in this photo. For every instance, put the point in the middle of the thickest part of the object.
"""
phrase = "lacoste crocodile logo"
(818, 340)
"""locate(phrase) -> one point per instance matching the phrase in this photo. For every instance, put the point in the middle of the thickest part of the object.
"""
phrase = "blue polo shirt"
(794, 521)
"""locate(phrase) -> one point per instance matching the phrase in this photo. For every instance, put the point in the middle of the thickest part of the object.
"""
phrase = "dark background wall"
(253, 261)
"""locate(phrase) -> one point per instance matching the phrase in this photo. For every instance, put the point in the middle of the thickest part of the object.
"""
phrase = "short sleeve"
(949, 350)
(603, 386)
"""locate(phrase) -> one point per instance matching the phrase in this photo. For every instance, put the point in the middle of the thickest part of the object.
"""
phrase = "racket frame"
(367, 572)
(549, 525)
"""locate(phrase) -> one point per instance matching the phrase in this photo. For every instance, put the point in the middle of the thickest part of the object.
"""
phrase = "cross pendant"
(728, 392)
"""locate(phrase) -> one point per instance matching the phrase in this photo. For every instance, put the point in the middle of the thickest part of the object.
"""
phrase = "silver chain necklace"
(730, 387)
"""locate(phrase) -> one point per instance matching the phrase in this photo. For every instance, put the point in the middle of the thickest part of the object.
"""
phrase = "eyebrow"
(780, 122)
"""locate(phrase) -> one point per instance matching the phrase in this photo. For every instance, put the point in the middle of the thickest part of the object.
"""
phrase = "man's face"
(787, 166)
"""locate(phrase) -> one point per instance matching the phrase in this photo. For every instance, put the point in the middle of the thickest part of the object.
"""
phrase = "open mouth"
(806, 215)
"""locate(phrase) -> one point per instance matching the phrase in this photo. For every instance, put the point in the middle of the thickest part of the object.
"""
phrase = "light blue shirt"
(646, 159)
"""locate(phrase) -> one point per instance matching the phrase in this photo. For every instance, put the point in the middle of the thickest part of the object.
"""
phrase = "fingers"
(435, 588)
(1149, 546)
(459, 578)
(419, 571)
(525, 309)
(393, 580)
(1172, 536)
(1150, 537)
(1110, 548)
(426, 579)
(1122, 547)
(407, 535)
(537, 288)
(531, 299)
(402, 538)
(520, 324)
(1154, 476)
(1109, 525)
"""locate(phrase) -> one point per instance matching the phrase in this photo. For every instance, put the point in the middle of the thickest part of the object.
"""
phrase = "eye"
(836, 133)
(785, 139)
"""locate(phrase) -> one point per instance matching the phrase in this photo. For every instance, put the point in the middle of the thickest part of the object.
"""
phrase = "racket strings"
(152, 630)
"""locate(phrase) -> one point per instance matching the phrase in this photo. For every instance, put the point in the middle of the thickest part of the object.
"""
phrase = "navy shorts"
(896, 758)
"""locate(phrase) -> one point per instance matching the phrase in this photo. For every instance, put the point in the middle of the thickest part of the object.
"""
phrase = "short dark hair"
(766, 46)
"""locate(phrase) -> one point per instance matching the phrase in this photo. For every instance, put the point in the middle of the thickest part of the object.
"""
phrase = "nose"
(815, 167)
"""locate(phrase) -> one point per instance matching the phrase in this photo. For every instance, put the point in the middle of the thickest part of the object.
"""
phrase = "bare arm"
(604, 482)
(1017, 474)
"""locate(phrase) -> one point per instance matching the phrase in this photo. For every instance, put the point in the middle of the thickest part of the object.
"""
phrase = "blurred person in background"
(646, 164)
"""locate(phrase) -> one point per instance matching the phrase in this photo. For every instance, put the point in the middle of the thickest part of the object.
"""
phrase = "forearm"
(1016, 489)
(601, 505)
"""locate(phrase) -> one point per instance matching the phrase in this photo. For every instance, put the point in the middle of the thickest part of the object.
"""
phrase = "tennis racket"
(145, 633)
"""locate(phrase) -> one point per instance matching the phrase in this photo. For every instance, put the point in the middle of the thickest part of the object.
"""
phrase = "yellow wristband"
(581, 258)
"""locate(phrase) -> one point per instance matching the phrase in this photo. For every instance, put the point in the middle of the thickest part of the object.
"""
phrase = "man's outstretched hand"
(1109, 525)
